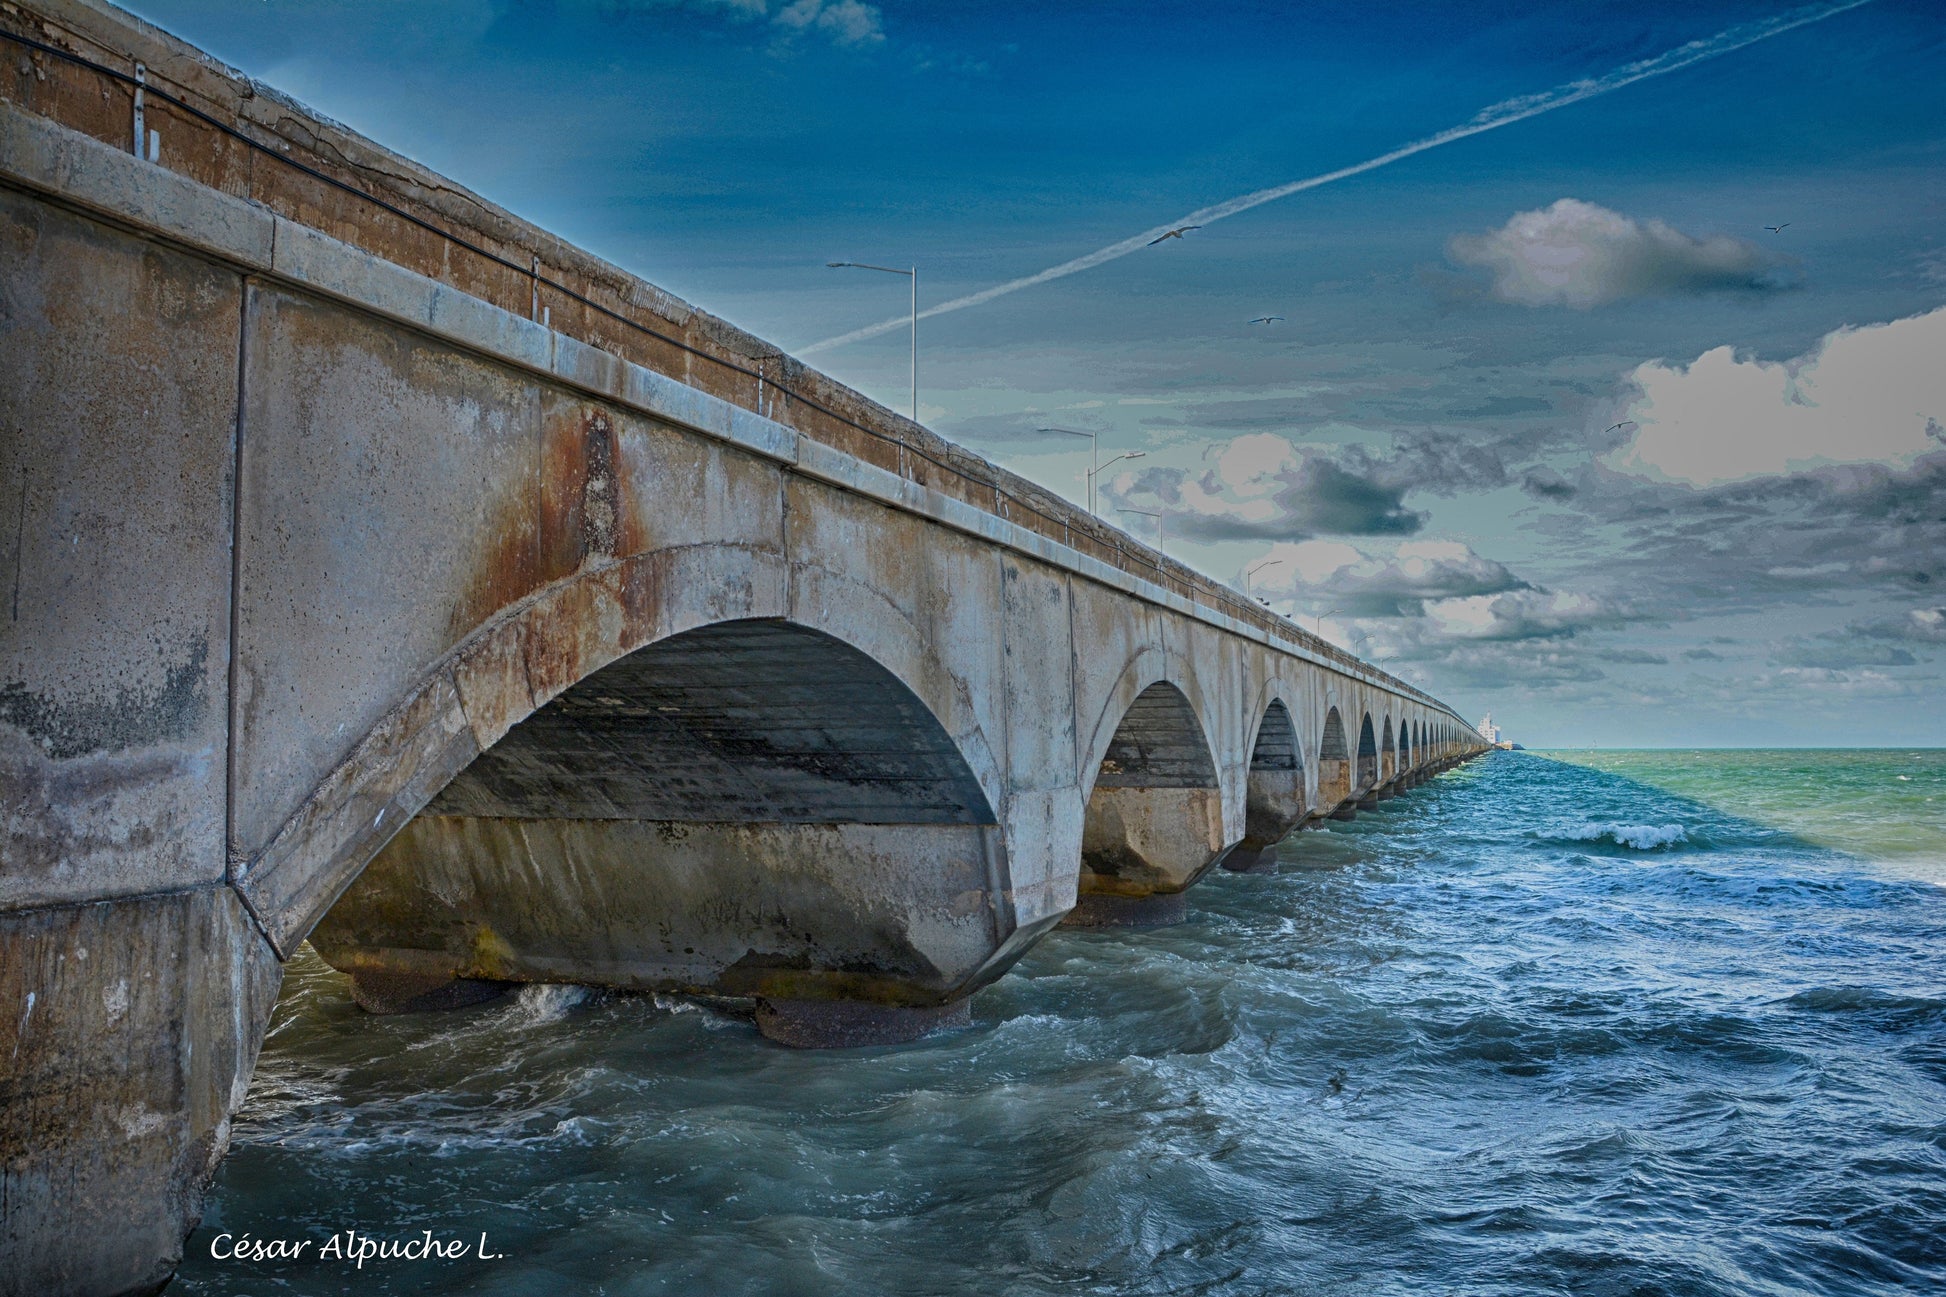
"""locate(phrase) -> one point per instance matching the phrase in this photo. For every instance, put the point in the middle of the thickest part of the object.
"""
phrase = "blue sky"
(1422, 444)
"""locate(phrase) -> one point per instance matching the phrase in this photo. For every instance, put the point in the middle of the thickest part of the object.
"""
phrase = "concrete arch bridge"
(386, 573)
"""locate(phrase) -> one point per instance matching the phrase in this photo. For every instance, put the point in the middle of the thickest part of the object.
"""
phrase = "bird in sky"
(1266, 319)
(1625, 423)
(1176, 233)
(1775, 228)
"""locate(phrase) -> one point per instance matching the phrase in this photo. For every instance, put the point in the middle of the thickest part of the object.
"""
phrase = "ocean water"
(1885, 804)
(1616, 1023)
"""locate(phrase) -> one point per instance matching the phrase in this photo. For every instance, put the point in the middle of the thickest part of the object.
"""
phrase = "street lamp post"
(1094, 459)
(1158, 524)
(1317, 622)
(1095, 472)
(1255, 568)
(913, 273)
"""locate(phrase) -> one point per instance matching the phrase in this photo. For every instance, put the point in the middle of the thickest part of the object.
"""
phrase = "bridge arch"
(1368, 769)
(1334, 762)
(1388, 763)
(751, 807)
(1154, 821)
(514, 666)
(1275, 746)
(1274, 792)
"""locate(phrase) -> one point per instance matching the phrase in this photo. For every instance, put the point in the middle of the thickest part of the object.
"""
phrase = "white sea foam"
(546, 1001)
(1642, 837)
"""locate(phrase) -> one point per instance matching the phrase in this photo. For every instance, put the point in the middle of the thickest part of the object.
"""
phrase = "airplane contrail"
(1504, 113)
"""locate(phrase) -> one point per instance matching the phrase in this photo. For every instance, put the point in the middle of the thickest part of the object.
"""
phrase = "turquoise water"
(1621, 1024)
(1886, 805)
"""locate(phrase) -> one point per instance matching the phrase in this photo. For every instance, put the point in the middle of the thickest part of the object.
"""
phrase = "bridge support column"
(1141, 849)
(844, 934)
(133, 1029)
(1272, 810)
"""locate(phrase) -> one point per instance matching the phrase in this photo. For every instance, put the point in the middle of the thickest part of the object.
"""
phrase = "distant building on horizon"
(1488, 730)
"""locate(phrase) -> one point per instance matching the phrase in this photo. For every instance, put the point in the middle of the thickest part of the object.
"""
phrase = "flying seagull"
(1775, 228)
(1266, 319)
(1625, 423)
(1176, 233)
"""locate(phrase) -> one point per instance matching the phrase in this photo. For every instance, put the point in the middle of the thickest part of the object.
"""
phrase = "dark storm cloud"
(1524, 638)
(1436, 461)
(1826, 537)
(1265, 488)
(1917, 625)
(1395, 585)
(1499, 407)
(1307, 496)
(1835, 653)
(1546, 484)
(1632, 657)
(1528, 614)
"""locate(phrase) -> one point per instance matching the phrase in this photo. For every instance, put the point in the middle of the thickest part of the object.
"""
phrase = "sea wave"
(1641, 837)
(543, 1002)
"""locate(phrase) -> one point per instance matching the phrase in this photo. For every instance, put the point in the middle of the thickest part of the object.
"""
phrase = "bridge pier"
(1141, 849)
(132, 1028)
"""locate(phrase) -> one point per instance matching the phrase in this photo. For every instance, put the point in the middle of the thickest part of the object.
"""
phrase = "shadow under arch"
(1388, 754)
(1334, 765)
(1154, 821)
(751, 808)
(1274, 802)
(1367, 757)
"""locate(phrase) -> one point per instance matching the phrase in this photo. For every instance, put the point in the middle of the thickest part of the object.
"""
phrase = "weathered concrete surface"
(1145, 841)
(615, 663)
(888, 913)
(117, 384)
(130, 1031)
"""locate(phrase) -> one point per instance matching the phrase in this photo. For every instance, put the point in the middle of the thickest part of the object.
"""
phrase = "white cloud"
(846, 22)
(843, 22)
(1580, 255)
(1867, 395)
(1521, 614)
